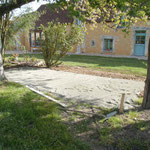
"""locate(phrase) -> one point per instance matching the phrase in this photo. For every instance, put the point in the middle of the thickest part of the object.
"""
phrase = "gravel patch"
(79, 88)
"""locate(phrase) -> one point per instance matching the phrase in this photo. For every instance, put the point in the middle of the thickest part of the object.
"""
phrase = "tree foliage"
(22, 23)
(8, 5)
(57, 41)
(12, 26)
(119, 12)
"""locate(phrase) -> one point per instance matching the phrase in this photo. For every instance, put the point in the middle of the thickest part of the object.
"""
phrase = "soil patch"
(78, 70)
(84, 70)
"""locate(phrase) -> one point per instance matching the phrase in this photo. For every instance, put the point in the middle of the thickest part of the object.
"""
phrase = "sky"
(33, 5)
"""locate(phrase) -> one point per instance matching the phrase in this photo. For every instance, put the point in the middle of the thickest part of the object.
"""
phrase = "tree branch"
(7, 7)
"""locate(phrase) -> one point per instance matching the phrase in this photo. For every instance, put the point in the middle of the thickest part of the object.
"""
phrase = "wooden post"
(122, 103)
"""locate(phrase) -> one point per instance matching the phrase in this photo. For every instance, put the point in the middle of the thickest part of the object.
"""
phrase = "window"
(140, 36)
(37, 37)
(108, 44)
(140, 39)
(93, 43)
(34, 39)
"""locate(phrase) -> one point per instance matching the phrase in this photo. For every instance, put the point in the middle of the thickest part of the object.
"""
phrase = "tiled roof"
(52, 15)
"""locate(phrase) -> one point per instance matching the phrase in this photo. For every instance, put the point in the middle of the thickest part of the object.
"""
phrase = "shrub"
(26, 58)
(9, 59)
(57, 39)
(33, 59)
(13, 57)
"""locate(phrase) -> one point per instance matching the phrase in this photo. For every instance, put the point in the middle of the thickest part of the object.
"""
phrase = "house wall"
(123, 42)
(25, 40)
(23, 44)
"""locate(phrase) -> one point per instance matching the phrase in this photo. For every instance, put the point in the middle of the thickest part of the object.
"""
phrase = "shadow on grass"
(28, 121)
(130, 137)
(121, 132)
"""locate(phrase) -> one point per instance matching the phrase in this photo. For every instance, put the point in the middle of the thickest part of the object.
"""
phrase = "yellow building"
(97, 41)
(116, 42)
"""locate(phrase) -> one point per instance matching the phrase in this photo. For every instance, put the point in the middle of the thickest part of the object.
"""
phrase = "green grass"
(143, 126)
(125, 132)
(139, 101)
(122, 65)
(31, 122)
(116, 122)
(133, 114)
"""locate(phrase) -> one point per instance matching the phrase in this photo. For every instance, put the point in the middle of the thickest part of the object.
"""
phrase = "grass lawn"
(122, 65)
(31, 122)
(128, 131)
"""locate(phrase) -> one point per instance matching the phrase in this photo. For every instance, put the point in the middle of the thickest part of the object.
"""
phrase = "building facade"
(97, 41)
(116, 42)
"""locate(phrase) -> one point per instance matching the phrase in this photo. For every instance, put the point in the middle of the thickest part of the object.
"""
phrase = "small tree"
(10, 28)
(58, 39)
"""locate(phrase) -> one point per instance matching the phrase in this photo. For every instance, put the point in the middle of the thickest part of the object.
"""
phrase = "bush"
(26, 58)
(57, 39)
(33, 59)
(14, 57)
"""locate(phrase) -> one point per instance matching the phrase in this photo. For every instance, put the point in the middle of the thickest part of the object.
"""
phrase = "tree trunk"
(146, 99)
(4, 30)
(2, 76)
(3, 41)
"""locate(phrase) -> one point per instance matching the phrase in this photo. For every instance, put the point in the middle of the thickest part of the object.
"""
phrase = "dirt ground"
(84, 70)
(80, 70)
